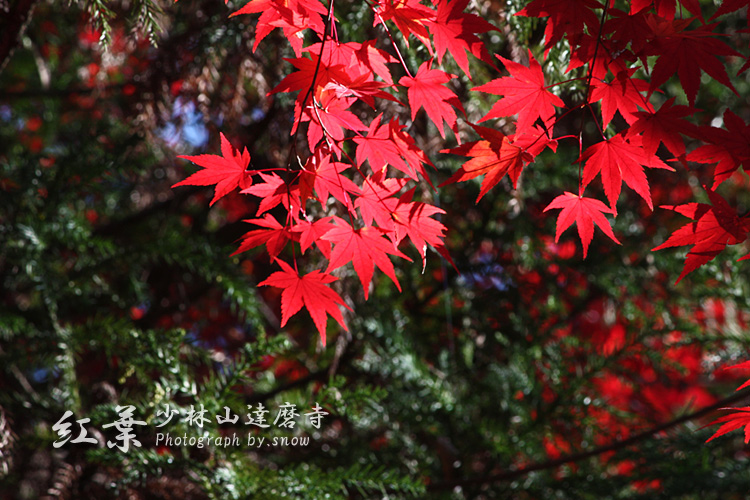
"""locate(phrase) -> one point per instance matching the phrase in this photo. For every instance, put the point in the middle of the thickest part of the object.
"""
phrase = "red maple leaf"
(376, 201)
(328, 118)
(363, 88)
(585, 212)
(325, 177)
(685, 53)
(415, 158)
(385, 145)
(228, 172)
(426, 89)
(665, 8)
(274, 236)
(309, 290)
(533, 141)
(493, 157)
(620, 160)
(414, 219)
(302, 79)
(733, 421)
(729, 148)
(666, 125)
(728, 6)
(600, 55)
(625, 29)
(311, 232)
(272, 191)
(358, 58)
(714, 228)
(622, 95)
(343, 70)
(365, 248)
(291, 16)
(524, 93)
(455, 31)
(410, 17)
(378, 148)
(569, 17)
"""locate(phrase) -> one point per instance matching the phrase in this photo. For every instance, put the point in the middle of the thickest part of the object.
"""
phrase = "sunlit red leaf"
(427, 89)
(310, 291)
(455, 31)
(228, 172)
(495, 157)
(365, 248)
(523, 93)
(585, 212)
(714, 227)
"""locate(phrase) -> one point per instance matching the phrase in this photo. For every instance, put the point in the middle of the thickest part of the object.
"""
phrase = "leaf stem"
(393, 42)
(588, 92)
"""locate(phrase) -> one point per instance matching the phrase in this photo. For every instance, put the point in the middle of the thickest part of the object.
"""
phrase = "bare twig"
(12, 27)
(583, 455)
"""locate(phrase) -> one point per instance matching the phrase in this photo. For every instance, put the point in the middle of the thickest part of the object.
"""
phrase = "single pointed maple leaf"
(585, 212)
(569, 17)
(533, 141)
(524, 93)
(376, 201)
(410, 17)
(684, 53)
(311, 232)
(600, 55)
(272, 191)
(623, 29)
(665, 8)
(377, 147)
(715, 226)
(376, 59)
(274, 236)
(426, 89)
(383, 146)
(622, 95)
(365, 248)
(360, 63)
(729, 6)
(228, 172)
(291, 16)
(666, 125)
(618, 160)
(455, 31)
(309, 290)
(414, 219)
(729, 148)
(731, 422)
(363, 88)
(343, 70)
(493, 157)
(325, 177)
(328, 118)
(415, 158)
(302, 79)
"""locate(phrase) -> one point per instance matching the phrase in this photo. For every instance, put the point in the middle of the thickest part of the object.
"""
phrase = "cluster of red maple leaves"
(350, 193)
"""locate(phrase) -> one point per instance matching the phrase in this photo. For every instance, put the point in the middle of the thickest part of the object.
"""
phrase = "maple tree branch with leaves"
(639, 129)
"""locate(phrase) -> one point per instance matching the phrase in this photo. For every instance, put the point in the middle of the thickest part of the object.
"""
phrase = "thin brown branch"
(12, 26)
(594, 452)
